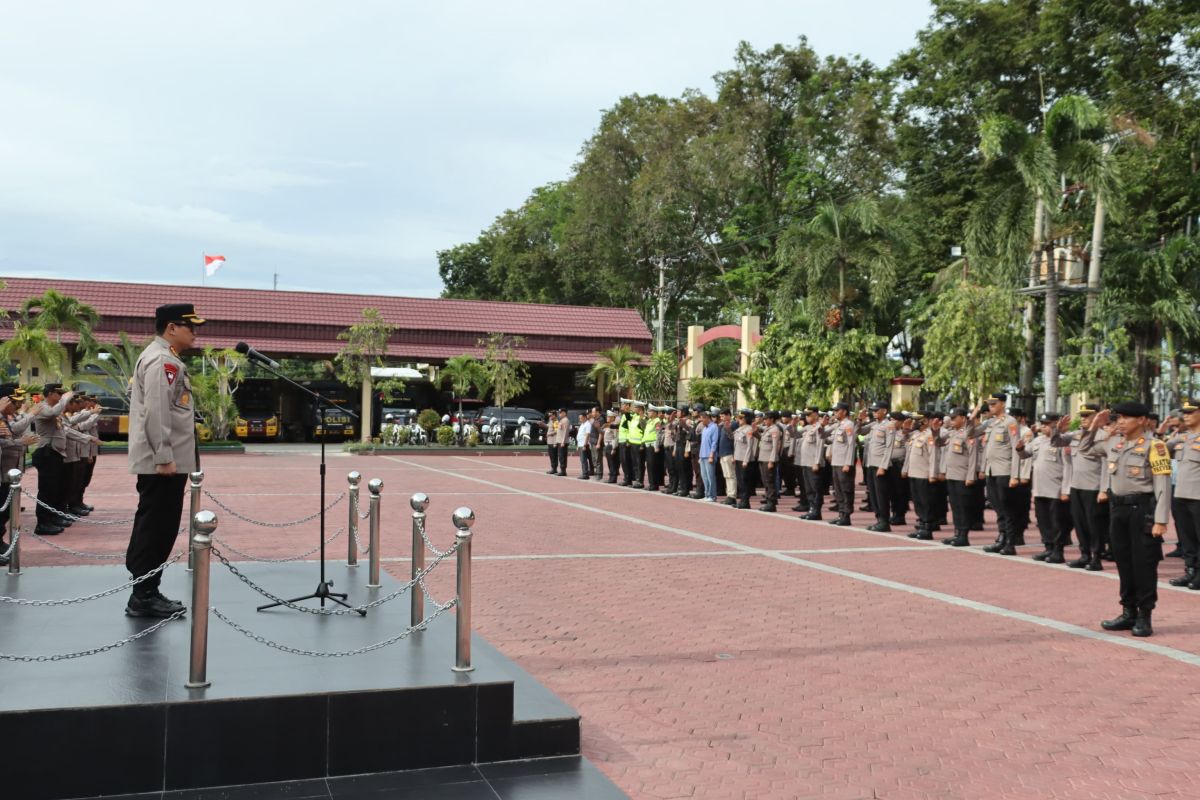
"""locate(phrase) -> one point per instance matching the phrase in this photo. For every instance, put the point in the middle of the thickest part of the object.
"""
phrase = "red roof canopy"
(307, 323)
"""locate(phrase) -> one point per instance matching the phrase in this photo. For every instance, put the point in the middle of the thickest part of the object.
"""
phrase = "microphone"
(252, 354)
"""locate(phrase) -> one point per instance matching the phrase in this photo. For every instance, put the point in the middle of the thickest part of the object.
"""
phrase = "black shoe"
(48, 530)
(551, 472)
(1042, 556)
(994, 547)
(562, 474)
(843, 520)
(896, 521)
(1125, 622)
(769, 508)
(152, 606)
(1176, 553)
(880, 527)
(78, 511)
(89, 508)
(729, 501)
(815, 517)
(742, 505)
(1007, 550)
(924, 535)
(1141, 626)
(637, 485)
(961, 540)
(1195, 584)
(698, 496)
(866, 509)
(1107, 556)
(1184, 579)
(178, 606)
(1094, 565)
(1055, 557)
(1080, 562)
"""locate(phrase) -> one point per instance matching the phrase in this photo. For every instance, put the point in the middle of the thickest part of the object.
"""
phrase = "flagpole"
(202, 269)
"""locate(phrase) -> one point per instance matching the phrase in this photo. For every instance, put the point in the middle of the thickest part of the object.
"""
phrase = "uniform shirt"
(634, 435)
(999, 446)
(1051, 467)
(1024, 467)
(959, 454)
(48, 425)
(1186, 446)
(770, 444)
(789, 436)
(564, 432)
(1085, 467)
(881, 438)
(162, 421)
(610, 434)
(811, 452)
(1128, 469)
(651, 435)
(743, 435)
(12, 452)
(583, 436)
(919, 460)
(79, 443)
(841, 439)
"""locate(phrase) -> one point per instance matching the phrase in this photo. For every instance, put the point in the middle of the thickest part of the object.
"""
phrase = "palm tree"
(660, 378)
(617, 368)
(463, 372)
(843, 252)
(31, 345)
(116, 364)
(59, 312)
(1033, 165)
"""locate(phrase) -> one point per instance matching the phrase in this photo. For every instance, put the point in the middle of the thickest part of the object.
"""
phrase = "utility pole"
(662, 303)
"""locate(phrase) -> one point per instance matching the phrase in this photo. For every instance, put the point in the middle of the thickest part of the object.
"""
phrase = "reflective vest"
(623, 429)
(635, 428)
(650, 434)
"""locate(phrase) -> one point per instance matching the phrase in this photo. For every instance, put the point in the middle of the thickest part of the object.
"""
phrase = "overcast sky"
(338, 145)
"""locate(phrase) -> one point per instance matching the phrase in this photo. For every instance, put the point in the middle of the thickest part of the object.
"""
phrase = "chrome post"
(419, 503)
(374, 486)
(14, 520)
(463, 519)
(197, 478)
(204, 524)
(352, 523)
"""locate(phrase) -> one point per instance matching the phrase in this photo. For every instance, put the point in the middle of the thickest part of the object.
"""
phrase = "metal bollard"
(204, 523)
(14, 520)
(419, 502)
(352, 522)
(375, 486)
(197, 478)
(463, 518)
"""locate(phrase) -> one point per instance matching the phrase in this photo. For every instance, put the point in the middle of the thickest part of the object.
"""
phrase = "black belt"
(1131, 499)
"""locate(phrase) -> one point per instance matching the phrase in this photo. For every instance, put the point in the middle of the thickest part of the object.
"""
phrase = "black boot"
(1195, 584)
(815, 514)
(1081, 562)
(843, 520)
(924, 534)
(1141, 626)
(1042, 556)
(880, 526)
(996, 546)
(1094, 565)
(961, 539)
(1056, 556)
(1183, 580)
(1176, 553)
(1124, 622)
(896, 520)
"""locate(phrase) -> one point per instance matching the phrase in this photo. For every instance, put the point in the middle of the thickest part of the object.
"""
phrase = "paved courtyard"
(716, 653)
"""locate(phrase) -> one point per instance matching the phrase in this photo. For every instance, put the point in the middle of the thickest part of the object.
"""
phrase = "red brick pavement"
(708, 664)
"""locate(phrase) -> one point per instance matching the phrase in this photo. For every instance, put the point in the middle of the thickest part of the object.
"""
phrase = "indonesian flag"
(212, 264)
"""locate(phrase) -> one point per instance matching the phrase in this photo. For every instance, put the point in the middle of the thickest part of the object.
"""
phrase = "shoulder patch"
(172, 372)
(1160, 459)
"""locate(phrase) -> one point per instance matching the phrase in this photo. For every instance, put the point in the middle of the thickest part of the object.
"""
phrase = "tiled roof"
(341, 310)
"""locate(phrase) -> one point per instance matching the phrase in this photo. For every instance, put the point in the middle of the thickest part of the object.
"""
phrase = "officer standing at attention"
(14, 439)
(810, 461)
(957, 467)
(877, 460)
(743, 456)
(843, 446)
(162, 451)
(997, 468)
(623, 444)
(1051, 488)
(50, 459)
(1186, 444)
(551, 440)
(1136, 482)
(1089, 518)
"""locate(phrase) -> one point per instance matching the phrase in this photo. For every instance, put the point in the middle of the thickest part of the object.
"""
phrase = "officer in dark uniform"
(162, 451)
(1136, 483)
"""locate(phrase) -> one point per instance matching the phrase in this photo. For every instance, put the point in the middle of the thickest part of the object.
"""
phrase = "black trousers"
(872, 479)
(920, 489)
(1187, 528)
(637, 463)
(627, 474)
(552, 451)
(938, 502)
(1083, 511)
(956, 492)
(697, 478)
(653, 467)
(1053, 521)
(1001, 498)
(768, 475)
(787, 472)
(52, 486)
(585, 461)
(612, 456)
(843, 490)
(1136, 551)
(743, 469)
(1022, 498)
(813, 490)
(898, 494)
(977, 499)
(562, 459)
(155, 526)
(597, 451)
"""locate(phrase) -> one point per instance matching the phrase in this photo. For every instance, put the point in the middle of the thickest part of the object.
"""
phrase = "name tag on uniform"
(1135, 472)
(920, 445)
(1052, 455)
(958, 448)
(185, 399)
(1139, 450)
(999, 437)
(841, 438)
(1112, 466)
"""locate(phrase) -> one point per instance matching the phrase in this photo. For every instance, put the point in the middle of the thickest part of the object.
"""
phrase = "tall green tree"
(971, 341)
(504, 371)
(53, 311)
(659, 379)
(116, 364)
(30, 346)
(464, 372)
(615, 369)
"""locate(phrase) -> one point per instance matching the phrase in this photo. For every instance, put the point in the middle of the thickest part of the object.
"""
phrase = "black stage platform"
(122, 722)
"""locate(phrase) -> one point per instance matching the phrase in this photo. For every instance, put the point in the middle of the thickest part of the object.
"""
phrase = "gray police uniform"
(50, 461)
(1137, 479)
(1051, 480)
(1186, 505)
(810, 460)
(996, 465)
(841, 436)
(958, 463)
(162, 430)
(1089, 517)
(877, 455)
(919, 467)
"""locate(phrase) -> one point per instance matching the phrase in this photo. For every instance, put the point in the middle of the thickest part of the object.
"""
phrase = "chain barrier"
(21, 601)
(439, 606)
(95, 650)
(420, 626)
(7, 500)
(79, 553)
(326, 612)
(429, 544)
(12, 545)
(73, 518)
(366, 551)
(354, 500)
(252, 557)
(262, 524)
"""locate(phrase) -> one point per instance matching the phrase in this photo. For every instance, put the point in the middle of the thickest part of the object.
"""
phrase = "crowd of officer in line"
(1116, 481)
(61, 425)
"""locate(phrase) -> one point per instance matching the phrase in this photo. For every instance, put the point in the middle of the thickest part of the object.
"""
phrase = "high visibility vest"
(635, 428)
(650, 434)
(623, 429)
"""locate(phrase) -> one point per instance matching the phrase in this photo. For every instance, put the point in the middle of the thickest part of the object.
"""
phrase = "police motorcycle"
(523, 434)
(390, 432)
(493, 431)
(417, 434)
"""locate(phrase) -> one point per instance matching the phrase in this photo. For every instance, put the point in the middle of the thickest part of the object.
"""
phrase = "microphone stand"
(322, 592)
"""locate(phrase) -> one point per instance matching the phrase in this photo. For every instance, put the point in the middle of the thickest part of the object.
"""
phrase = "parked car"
(508, 421)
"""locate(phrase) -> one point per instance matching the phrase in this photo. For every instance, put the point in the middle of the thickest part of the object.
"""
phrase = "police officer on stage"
(162, 451)
(1136, 482)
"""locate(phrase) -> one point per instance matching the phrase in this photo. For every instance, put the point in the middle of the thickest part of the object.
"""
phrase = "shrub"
(445, 435)
(429, 419)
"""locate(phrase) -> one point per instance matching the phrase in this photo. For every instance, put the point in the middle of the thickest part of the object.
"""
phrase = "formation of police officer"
(162, 451)
(1109, 482)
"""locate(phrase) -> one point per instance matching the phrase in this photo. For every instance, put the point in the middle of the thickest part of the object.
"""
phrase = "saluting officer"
(877, 461)
(1137, 484)
(810, 461)
(1089, 517)
(1186, 506)
(843, 442)
(997, 468)
(50, 460)
(743, 456)
(918, 468)
(1051, 488)
(162, 451)
(958, 467)
(14, 439)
